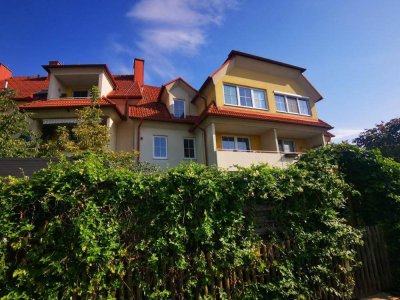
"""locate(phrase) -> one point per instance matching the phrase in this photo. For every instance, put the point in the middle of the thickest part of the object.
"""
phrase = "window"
(243, 96)
(235, 143)
(286, 146)
(292, 104)
(179, 108)
(160, 144)
(80, 94)
(188, 148)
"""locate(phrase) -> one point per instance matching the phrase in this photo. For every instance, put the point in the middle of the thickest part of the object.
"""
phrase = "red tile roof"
(26, 86)
(126, 87)
(213, 110)
(60, 103)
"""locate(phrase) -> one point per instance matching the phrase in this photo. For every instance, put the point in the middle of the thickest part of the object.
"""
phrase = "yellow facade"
(264, 81)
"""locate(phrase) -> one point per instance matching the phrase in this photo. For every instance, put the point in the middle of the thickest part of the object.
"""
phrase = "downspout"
(205, 144)
(138, 140)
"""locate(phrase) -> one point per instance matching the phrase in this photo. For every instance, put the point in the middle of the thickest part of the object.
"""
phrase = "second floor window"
(286, 146)
(235, 143)
(179, 108)
(292, 104)
(243, 96)
(80, 94)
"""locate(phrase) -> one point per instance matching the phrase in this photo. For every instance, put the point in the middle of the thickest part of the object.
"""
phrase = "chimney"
(54, 63)
(138, 71)
(5, 73)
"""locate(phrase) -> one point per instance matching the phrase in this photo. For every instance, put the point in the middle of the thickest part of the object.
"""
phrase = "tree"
(385, 137)
(16, 139)
(89, 134)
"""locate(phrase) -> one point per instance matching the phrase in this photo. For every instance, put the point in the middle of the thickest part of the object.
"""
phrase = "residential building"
(250, 110)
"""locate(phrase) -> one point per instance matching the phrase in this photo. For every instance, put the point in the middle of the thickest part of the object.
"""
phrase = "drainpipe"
(205, 144)
(138, 140)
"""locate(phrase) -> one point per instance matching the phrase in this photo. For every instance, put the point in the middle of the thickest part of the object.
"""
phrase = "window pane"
(245, 97)
(188, 149)
(243, 144)
(280, 103)
(230, 94)
(179, 109)
(228, 143)
(160, 147)
(259, 99)
(292, 105)
(304, 107)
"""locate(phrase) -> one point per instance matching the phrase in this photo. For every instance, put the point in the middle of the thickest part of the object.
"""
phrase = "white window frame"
(166, 146)
(235, 138)
(184, 108)
(194, 148)
(298, 97)
(252, 96)
(283, 147)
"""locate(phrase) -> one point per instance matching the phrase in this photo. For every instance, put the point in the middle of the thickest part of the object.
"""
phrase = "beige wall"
(126, 135)
(175, 133)
(104, 85)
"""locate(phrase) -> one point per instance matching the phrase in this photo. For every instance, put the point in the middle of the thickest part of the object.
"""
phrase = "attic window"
(41, 95)
(179, 108)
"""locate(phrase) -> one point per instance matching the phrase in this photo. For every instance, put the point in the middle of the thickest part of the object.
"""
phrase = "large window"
(292, 104)
(188, 148)
(179, 108)
(243, 96)
(235, 143)
(160, 144)
(286, 146)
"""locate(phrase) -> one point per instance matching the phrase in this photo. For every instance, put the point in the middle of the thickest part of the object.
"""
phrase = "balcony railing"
(229, 158)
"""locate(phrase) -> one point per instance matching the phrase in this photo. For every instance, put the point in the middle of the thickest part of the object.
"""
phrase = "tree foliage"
(16, 139)
(78, 226)
(385, 137)
(89, 134)
(375, 195)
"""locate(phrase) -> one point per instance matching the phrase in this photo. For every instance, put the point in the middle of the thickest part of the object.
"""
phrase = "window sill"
(247, 107)
(290, 113)
(160, 158)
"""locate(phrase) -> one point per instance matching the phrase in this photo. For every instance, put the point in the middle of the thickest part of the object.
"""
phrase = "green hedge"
(77, 227)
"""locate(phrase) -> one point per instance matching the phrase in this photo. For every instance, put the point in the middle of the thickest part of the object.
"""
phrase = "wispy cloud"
(174, 27)
(345, 134)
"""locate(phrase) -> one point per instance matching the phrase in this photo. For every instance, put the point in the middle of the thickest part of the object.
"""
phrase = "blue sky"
(351, 49)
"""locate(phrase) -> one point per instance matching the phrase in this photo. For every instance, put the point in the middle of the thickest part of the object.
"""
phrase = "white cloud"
(345, 134)
(174, 27)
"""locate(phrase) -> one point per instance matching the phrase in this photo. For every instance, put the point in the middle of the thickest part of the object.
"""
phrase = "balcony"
(227, 159)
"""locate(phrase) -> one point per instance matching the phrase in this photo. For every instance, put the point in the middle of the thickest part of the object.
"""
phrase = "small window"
(245, 97)
(188, 148)
(286, 146)
(259, 99)
(179, 108)
(304, 107)
(80, 94)
(235, 143)
(280, 103)
(230, 94)
(160, 144)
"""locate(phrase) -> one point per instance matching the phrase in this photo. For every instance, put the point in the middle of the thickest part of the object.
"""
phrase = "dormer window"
(80, 94)
(179, 108)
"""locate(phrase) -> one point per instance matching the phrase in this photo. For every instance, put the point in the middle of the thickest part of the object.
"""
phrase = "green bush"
(375, 195)
(79, 226)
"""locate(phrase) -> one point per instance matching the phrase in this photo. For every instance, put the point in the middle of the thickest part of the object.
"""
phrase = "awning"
(60, 121)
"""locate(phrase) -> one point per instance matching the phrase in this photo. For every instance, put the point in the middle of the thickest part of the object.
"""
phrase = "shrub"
(79, 226)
